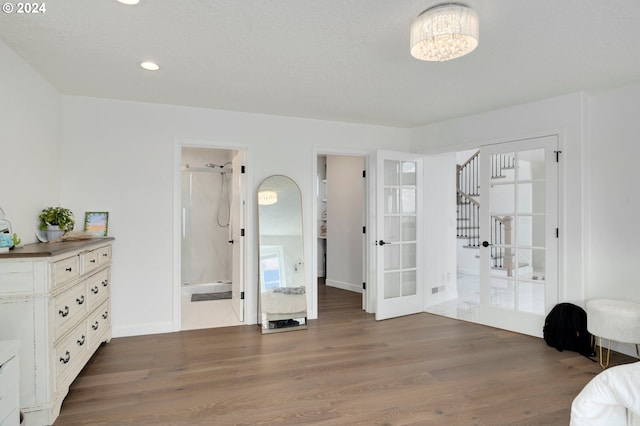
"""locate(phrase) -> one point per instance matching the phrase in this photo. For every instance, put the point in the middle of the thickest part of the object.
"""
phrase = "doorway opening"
(341, 200)
(463, 301)
(211, 217)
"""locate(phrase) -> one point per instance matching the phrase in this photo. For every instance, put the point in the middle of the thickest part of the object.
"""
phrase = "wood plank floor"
(345, 369)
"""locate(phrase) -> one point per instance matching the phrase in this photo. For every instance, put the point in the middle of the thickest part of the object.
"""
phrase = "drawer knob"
(105, 283)
(95, 325)
(80, 300)
(66, 359)
(105, 315)
(92, 261)
(95, 290)
(105, 255)
(81, 340)
(69, 269)
(64, 312)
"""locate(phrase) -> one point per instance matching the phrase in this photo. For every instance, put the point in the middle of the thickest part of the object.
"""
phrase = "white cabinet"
(9, 383)
(54, 299)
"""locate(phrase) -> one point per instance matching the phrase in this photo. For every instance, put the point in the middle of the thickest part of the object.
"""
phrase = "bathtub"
(213, 287)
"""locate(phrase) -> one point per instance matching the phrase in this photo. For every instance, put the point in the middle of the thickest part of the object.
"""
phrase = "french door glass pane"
(391, 257)
(502, 292)
(409, 228)
(502, 199)
(502, 230)
(391, 228)
(408, 173)
(503, 167)
(391, 173)
(408, 200)
(530, 231)
(391, 285)
(531, 264)
(531, 297)
(390, 200)
(531, 164)
(409, 283)
(531, 197)
(408, 255)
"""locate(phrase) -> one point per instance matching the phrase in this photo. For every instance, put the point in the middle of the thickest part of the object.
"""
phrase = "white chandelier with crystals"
(444, 32)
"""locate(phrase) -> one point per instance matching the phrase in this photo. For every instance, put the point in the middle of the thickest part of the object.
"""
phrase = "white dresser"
(54, 299)
(9, 383)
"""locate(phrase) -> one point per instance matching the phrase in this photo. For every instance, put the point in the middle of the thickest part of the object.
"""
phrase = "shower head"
(219, 166)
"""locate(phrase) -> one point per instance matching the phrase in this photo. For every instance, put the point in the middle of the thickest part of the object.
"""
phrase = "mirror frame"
(282, 307)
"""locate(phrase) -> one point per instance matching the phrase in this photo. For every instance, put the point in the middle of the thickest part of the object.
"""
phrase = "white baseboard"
(345, 286)
(143, 329)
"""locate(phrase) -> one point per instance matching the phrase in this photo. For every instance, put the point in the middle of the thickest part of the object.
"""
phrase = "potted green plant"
(56, 221)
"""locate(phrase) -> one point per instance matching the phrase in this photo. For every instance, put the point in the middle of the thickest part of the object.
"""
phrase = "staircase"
(468, 211)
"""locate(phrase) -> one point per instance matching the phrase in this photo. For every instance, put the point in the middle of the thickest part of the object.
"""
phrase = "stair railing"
(468, 220)
(468, 216)
(499, 163)
(501, 252)
(468, 180)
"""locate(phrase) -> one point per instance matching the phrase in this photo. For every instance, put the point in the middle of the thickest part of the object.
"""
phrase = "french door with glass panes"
(399, 289)
(519, 233)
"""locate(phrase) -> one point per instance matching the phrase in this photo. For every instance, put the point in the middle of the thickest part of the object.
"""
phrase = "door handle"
(486, 244)
(381, 243)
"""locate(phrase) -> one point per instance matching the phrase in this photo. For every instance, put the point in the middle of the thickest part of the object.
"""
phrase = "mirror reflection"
(283, 299)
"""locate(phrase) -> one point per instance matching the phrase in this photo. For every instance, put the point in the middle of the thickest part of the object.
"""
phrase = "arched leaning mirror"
(283, 302)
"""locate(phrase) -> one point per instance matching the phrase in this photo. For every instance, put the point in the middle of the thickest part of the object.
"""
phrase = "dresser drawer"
(70, 353)
(89, 261)
(69, 308)
(65, 270)
(97, 288)
(104, 255)
(98, 324)
(17, 277)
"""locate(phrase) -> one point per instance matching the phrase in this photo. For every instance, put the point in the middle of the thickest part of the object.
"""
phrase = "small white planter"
(54, 232)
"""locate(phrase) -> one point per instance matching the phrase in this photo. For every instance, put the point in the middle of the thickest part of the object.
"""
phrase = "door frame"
(250, 301)
(366, 157)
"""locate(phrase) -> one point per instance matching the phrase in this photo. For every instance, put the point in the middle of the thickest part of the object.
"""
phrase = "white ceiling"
(343, 60)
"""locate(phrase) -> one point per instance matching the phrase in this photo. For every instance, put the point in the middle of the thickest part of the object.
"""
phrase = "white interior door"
(518, 230)
(237, 225)
(399, 289)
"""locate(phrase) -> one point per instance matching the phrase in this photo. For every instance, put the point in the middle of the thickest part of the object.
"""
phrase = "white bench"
(613, 320)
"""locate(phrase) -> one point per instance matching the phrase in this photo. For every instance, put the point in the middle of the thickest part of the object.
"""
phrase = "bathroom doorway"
(211, 244)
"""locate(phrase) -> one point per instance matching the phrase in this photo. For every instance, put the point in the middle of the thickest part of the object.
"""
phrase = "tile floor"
(466, 306)
(207, 313)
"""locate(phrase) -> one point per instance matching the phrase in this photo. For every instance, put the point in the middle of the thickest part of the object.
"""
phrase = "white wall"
(118, 157)
(613, 204)
(345, 219)
(29, 143)
(440, 228)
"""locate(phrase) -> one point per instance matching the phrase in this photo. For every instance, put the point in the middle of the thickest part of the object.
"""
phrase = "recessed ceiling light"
(150, 66)
(129, 2)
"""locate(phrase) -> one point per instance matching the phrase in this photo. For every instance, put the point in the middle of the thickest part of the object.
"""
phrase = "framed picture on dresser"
(96, 223)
